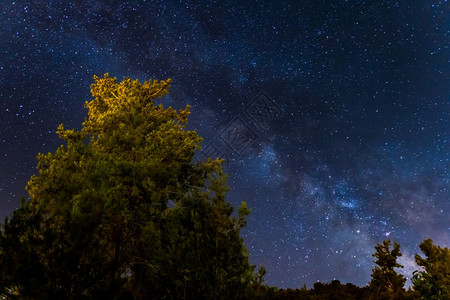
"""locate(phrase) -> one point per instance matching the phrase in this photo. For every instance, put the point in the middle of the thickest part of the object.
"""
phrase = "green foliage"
(434, 281)
(386, 283)
(98, 223)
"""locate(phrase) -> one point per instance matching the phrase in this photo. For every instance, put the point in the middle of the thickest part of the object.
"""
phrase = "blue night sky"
(354, 148)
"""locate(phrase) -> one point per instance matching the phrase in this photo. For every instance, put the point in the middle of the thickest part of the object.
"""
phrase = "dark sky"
(349, 144)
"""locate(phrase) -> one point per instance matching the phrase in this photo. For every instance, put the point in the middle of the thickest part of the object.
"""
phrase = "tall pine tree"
(386, 283)
(98, 223)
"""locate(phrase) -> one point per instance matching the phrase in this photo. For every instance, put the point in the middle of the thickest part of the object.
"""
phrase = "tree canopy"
(433, 282)
(386, 283)
(98, 223)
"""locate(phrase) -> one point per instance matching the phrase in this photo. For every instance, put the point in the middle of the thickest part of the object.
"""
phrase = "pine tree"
(98, 223)
(386, 283)
(434, 281)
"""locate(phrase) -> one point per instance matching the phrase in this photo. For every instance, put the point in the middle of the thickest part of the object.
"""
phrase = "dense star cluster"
(357, 152)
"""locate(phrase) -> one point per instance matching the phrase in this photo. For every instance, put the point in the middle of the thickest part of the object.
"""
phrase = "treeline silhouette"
(433, 282)
(122, 211)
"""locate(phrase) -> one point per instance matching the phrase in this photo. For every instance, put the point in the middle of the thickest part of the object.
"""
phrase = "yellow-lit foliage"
(100, 209)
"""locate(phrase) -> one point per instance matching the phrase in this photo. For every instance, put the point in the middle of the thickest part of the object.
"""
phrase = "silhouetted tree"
(386, 283)
(434, 281)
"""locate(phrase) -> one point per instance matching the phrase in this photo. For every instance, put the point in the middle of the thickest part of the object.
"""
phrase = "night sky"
(353, 141)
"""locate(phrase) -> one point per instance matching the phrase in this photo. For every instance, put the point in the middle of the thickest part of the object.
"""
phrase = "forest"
(122, 211)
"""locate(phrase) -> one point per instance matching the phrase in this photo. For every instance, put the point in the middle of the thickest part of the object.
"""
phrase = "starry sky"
(353, 144)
